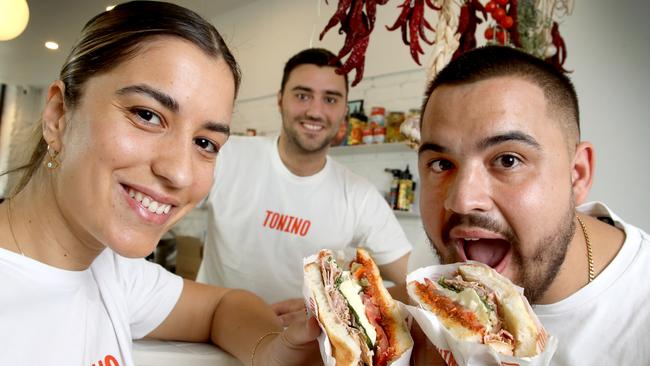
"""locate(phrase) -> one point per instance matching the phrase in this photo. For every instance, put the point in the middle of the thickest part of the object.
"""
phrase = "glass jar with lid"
(393, 122)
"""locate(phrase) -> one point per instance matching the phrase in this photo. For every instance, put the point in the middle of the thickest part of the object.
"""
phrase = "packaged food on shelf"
(405, 194)
(378, 134)
(411, 127)
(367, 135)
(393, 122)
(401, 194)
(357, 122)
(394, 187)
(377, 116)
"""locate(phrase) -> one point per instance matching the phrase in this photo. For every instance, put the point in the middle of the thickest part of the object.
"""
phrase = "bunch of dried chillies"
(467, 22)
(357, 19)
(357, 25)
(412, 23)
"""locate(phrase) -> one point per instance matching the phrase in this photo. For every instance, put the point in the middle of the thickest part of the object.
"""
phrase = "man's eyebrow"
(430, 146)
(162, 98)
(217, 127)
(310, 90)
(334, 92)
(302, 88)
(487, 142)
(517, 136)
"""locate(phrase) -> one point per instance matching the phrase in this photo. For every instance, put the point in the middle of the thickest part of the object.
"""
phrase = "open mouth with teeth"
(312, 127)
(149, 203)
(492, 252)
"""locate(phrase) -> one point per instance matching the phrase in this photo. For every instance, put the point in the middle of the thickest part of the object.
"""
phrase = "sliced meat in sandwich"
(361, 319)
(478, 304)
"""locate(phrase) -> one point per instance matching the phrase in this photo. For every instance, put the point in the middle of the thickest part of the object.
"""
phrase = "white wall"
(607, 45)
(609, 49)
(20, 117)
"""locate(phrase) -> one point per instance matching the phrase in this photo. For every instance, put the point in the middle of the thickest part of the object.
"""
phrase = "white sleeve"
(378, 229)
(151, 292)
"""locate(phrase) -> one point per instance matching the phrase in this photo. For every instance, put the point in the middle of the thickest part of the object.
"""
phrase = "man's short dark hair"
(311, 56)
(495, 61)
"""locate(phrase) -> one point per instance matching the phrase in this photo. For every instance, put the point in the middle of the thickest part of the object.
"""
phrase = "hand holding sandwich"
(289, 310)
(363, 325)
(296, 345)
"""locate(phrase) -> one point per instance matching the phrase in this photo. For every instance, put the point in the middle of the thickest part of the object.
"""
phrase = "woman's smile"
(146, 207)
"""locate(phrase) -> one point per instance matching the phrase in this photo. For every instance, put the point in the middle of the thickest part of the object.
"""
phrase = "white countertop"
(163, 353)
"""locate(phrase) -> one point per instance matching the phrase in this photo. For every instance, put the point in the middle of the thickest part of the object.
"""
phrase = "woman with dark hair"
(129, 139)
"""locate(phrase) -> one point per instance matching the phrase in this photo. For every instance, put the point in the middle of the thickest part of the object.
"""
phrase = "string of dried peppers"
(357, 20)
(527, 24)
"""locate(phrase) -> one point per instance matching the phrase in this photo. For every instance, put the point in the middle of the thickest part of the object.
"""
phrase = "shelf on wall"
(399, 213)
(370, 149)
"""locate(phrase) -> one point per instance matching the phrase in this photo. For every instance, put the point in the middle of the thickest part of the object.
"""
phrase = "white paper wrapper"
(464, 353)
(323, 340)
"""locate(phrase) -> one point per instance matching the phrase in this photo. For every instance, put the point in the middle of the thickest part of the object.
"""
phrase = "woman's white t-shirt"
(50, 316)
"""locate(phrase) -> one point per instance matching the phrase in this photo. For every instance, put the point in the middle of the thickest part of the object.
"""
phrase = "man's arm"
(395, 272)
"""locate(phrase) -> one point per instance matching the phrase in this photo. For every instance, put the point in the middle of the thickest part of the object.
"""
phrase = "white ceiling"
(24, 60)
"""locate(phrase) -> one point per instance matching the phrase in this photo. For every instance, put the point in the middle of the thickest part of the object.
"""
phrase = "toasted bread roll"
(362, 321)
(478, 304)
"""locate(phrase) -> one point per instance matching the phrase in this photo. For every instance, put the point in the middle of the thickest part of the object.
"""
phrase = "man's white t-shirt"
(606, 322)
(51, 316)
(263, 220)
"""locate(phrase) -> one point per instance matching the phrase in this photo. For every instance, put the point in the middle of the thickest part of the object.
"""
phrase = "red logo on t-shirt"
(286, 223)
(109, 360)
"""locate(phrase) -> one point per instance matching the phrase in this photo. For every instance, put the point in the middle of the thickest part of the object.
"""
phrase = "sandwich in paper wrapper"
(361, 323)
(475, 316)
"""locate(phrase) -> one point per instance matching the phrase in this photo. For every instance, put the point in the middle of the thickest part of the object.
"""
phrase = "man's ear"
(280, 101)
(582, 171)
(54, 113)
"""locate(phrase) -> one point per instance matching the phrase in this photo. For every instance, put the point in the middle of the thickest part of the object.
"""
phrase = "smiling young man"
(276, 200)
(503, 172)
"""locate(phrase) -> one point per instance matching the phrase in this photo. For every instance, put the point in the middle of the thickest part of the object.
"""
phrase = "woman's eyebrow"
(162, 98)
(170, 103)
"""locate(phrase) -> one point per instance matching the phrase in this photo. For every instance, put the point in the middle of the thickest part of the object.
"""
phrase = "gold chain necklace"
(590, 258)
(11, 228)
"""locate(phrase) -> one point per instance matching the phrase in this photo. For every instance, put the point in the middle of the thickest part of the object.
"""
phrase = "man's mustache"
(311, 119)
(479, 221)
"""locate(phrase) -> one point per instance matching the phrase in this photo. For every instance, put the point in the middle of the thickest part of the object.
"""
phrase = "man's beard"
(534, 273)
(295, 139)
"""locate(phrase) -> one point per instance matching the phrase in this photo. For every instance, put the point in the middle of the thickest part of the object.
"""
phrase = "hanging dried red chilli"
(357, 25)
(558, 59)
(412, 23)
(467, 22)
(356, 19)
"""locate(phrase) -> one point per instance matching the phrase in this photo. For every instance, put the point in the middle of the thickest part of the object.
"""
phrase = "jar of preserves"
(393, 122)
(367, 135)
(377, 116)
(355, 134)
(378, 134)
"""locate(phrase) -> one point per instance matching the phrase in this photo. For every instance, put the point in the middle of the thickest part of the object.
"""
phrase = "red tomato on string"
(506, 22)
(501, 36)
(502, 2)
(490, 6)
(498, 14)
(489, 33)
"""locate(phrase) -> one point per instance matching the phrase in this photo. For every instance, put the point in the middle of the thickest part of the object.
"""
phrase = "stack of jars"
(375, 131)
(378, 128)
